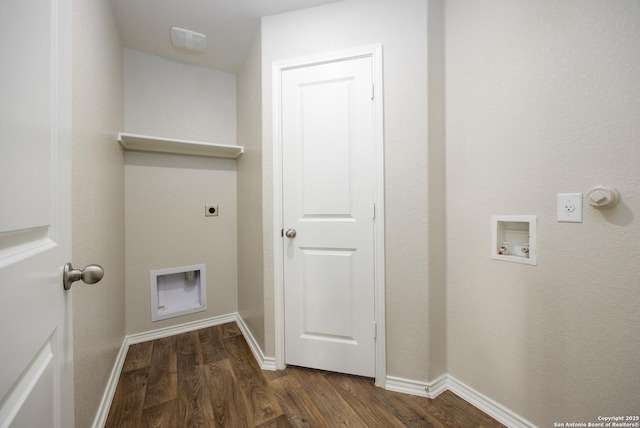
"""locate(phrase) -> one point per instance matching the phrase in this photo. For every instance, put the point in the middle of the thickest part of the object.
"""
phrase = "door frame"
(278, 68)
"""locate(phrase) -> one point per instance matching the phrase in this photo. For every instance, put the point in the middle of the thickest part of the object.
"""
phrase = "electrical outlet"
(211, 210)
(570, 207)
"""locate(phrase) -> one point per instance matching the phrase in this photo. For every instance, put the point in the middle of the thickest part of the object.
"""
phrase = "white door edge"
(375, 53)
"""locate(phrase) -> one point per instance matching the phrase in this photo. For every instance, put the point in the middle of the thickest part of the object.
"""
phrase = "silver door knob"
(89, 275)
(290, 233)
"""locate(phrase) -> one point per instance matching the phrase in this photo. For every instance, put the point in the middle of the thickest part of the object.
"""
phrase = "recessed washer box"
(513, 238)
(178, 291)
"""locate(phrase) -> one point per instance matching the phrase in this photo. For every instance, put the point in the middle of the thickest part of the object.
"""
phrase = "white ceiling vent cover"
(188, 40)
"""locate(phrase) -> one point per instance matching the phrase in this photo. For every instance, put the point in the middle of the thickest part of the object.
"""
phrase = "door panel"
(36, 380)
(25, 112)
(328, 194)
(327, 294)
(326, 147)
(32, 401)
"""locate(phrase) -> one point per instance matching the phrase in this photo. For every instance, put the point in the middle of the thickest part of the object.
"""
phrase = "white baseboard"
(487, 405)
(112, 383)
(447, 382)
(181, 328)
(266, 363)
(414, 387)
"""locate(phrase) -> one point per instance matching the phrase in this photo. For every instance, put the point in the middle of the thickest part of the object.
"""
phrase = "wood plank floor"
(209, 378)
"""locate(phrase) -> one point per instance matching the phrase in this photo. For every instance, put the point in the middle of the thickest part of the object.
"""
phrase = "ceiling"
(230, 26)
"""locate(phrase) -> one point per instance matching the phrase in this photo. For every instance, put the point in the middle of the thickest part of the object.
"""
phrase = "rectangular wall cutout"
(513, 238)
(178, 291)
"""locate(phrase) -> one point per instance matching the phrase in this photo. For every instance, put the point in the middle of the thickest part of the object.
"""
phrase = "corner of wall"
(436, 188)
(249, 188)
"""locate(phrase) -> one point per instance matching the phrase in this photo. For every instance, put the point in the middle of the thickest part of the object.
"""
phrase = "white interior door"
(328, 199)
(36, 378)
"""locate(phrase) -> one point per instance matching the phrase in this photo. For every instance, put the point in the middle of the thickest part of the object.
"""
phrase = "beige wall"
(544, 97)
(98, 201)
(166, 194)
(173, 99)
(401, 26)
(250, 264)
(436, 193)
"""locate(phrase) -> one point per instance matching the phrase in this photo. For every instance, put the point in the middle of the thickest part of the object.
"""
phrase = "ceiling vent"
(188, 40)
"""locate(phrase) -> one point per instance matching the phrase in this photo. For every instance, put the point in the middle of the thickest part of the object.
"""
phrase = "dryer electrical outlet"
(570, 207)
(211, 210)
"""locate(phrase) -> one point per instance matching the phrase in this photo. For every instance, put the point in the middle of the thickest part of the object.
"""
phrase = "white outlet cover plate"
(570, 207)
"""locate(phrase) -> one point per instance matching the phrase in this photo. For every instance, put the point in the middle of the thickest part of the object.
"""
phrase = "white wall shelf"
(148, 143)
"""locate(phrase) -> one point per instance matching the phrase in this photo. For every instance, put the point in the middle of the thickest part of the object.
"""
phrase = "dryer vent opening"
(178, 291)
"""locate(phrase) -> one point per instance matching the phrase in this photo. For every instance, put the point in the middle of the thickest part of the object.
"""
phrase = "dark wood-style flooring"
(209, 378)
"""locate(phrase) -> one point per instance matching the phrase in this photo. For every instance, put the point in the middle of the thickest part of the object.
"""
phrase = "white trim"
(112, 383)
(179, 329)
(266, 363)
(487, 405)
(379, 220)
(278, 67)
(414, 387)
(278, 244)
(475, 398)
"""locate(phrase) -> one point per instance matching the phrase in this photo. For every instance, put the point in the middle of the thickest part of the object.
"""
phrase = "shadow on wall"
(620, 215)
(170, 160)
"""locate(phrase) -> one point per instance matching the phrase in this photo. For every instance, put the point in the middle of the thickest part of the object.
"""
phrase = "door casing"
(278, 67)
